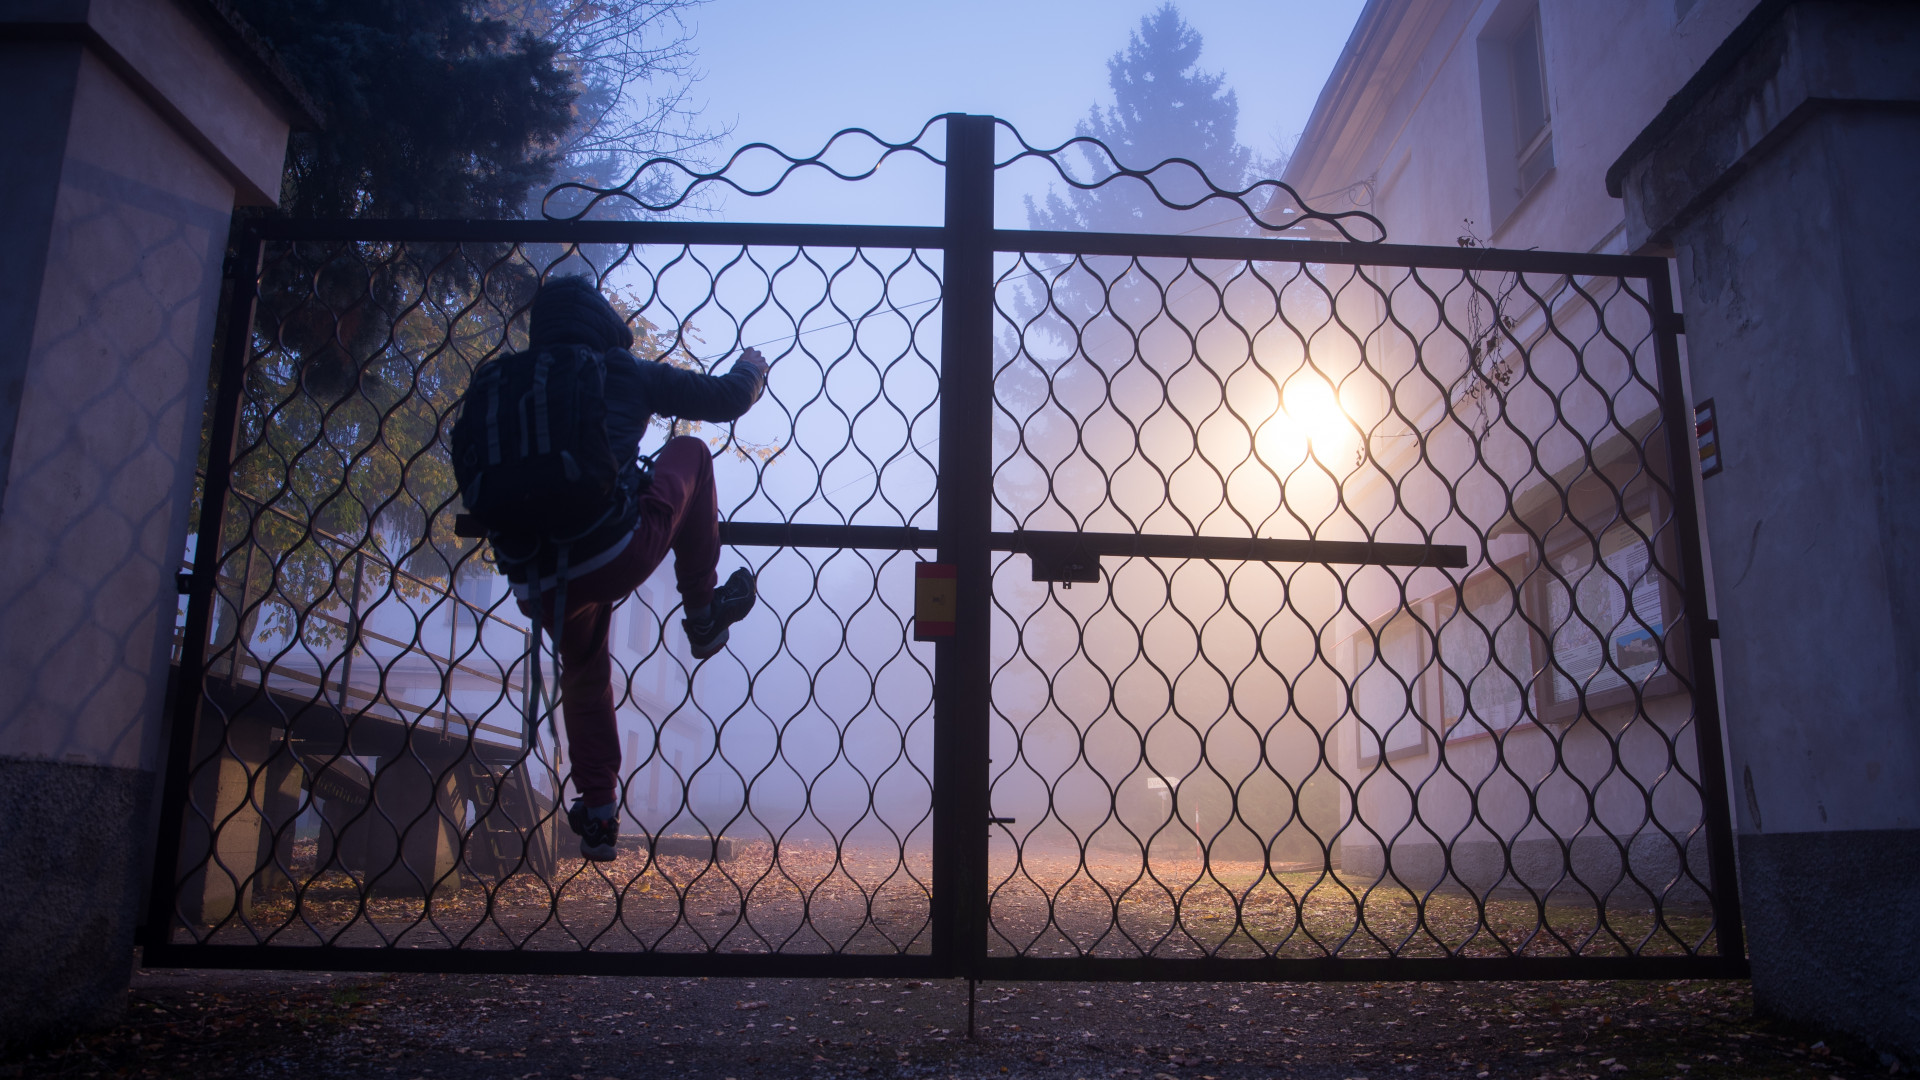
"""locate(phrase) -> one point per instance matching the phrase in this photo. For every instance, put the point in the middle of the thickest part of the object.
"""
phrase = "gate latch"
(1061, 557)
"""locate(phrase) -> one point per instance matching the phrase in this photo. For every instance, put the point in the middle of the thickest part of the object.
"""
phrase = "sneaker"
(731, 602)
(599, 837)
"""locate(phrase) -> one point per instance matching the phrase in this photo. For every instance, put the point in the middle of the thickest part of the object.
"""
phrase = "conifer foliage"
(342, 491)
(1164, 107)
(431, 110)
(1108, 334)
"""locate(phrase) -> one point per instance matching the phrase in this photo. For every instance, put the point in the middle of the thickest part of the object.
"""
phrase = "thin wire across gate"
(1325, 609)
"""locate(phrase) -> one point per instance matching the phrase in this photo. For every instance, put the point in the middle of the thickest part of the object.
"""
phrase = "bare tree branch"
(633, 63)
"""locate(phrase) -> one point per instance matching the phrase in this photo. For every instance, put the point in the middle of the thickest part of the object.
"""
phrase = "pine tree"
(1164, 107)
(431, 110)
(1078, 324)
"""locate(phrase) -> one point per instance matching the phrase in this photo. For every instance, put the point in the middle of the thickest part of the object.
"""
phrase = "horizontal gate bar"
(539, 962)
(1339, 969)
(1274, 249)
(1119, 545)
(606, 232)
(1253, 549)
(1007, 968)
(1142, 245)
(790, 534)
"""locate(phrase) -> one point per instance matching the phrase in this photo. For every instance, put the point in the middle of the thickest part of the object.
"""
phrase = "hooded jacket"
(570, 311)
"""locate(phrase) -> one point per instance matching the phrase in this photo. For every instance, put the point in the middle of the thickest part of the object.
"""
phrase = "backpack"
(530, 447)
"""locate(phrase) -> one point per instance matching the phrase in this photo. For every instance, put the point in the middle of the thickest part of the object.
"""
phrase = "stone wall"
(1782, 176)
(141, 129)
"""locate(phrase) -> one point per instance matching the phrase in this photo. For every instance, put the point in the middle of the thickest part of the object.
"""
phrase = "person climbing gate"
(546, 454)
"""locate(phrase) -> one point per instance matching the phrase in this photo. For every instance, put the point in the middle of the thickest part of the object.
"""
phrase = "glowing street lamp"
(1308, 418)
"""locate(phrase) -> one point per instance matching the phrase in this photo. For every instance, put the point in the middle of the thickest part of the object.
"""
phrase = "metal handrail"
(375, 552)
(446, 716)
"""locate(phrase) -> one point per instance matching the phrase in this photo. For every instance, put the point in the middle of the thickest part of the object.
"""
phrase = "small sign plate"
(1706, 434)
(935, 596)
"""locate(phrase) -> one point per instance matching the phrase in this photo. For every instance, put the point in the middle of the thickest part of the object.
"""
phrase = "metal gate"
(1325, 609)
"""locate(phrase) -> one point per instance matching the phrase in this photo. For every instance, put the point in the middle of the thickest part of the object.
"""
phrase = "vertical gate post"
(235, 343)
(962, 664)
(1808, 119)
(1729, 932)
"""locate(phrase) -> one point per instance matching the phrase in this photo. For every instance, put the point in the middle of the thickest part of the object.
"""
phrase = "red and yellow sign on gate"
(934, 597)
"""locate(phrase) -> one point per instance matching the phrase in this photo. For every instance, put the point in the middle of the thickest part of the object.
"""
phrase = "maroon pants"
(678, 512)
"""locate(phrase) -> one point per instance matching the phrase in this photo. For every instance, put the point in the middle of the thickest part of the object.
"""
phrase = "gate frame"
(963, 537)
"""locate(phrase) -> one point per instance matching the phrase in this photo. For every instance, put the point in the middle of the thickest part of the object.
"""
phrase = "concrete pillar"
(132, 128)
(344, 789)
(1783, 178)
(222, 833)
(413, 838)
(283, 789)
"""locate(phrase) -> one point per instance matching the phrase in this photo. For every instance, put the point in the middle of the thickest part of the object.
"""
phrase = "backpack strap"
(522, 409)
(644, 464)
(492, 375)
(537, 700)
(530, 700)
(543, 438)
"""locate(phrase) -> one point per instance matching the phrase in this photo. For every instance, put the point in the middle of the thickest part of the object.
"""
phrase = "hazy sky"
(793, 73)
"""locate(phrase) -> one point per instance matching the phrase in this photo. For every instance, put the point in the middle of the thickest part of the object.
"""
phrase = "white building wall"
(1416, 127)
(1401, 128)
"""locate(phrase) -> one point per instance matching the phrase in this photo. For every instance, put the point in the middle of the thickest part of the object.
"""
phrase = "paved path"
(249, 1024)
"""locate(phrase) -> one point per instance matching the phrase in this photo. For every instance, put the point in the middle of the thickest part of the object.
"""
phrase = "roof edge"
(1339, 94)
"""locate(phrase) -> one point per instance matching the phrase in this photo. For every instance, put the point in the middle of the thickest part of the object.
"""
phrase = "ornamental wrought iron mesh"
(1326, 608)
(1482, 746)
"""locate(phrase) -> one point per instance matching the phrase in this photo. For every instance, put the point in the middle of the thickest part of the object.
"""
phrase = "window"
(1530, 132)
(1525, 640)
(474, 588)
(644, 622)
(1514, 102)
(1607, 619)
(1488, 654)
(1393, 688)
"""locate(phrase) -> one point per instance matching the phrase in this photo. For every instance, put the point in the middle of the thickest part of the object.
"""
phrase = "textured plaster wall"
(1786, 189)
(1800, 282)
(37, 83)
(168, 54)
(130, 135)
(95, 510)
(93, 520)
(189, 77)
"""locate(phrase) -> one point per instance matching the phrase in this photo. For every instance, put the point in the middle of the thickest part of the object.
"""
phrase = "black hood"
(570, 311)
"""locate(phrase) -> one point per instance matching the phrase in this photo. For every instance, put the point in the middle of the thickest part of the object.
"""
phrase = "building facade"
(1520, 728)
(1767, 147)
(1498, 118)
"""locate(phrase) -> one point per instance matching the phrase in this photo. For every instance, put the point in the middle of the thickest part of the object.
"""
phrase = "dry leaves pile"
(1106, 904)
(814, 898)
